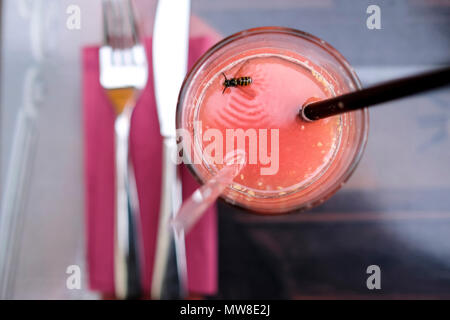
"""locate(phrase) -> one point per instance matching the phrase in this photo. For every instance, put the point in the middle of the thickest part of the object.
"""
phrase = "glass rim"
(361, 140)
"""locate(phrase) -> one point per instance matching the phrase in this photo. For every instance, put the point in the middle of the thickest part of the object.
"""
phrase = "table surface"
(394, 212)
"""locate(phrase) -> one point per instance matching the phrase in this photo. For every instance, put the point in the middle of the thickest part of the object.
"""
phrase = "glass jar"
(326, 62)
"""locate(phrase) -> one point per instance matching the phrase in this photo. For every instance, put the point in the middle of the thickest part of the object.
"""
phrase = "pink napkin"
(145, 148)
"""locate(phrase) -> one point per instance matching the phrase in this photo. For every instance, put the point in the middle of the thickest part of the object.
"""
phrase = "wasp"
(235, 82)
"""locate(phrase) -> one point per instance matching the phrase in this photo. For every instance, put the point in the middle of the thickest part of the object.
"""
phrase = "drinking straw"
(193, 208)
(376, 94)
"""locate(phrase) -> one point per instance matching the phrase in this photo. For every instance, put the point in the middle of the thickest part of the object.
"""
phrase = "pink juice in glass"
(301, 163)
(272, 101)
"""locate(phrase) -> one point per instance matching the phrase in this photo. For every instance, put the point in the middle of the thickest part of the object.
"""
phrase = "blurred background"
(394, 212)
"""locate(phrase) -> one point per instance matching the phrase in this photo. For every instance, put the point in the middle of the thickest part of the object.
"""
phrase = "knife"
(170, 54)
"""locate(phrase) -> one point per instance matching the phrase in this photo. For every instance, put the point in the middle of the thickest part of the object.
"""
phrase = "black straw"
(376, 94)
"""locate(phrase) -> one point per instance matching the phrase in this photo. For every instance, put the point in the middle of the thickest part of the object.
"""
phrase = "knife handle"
(171, 198)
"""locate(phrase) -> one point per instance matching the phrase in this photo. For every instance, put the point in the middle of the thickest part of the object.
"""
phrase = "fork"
(123, 74)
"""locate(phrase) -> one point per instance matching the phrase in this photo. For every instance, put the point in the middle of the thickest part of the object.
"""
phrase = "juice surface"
(280, 86)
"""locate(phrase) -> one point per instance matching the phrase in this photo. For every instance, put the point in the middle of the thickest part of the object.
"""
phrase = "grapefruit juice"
(291, 164)
(280, 85)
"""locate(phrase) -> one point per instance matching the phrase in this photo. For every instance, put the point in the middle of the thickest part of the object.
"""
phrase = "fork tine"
(110, 23)
(129, 33)
(120, 29)
(133, 23)
(106, 30)
(120, 25)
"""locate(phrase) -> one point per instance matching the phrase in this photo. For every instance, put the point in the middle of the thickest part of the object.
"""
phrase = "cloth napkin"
(145, 149)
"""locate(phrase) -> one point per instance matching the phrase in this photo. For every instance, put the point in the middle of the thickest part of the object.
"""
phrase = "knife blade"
(170, 54)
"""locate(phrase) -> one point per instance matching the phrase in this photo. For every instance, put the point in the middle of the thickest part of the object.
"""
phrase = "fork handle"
(127, 277)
